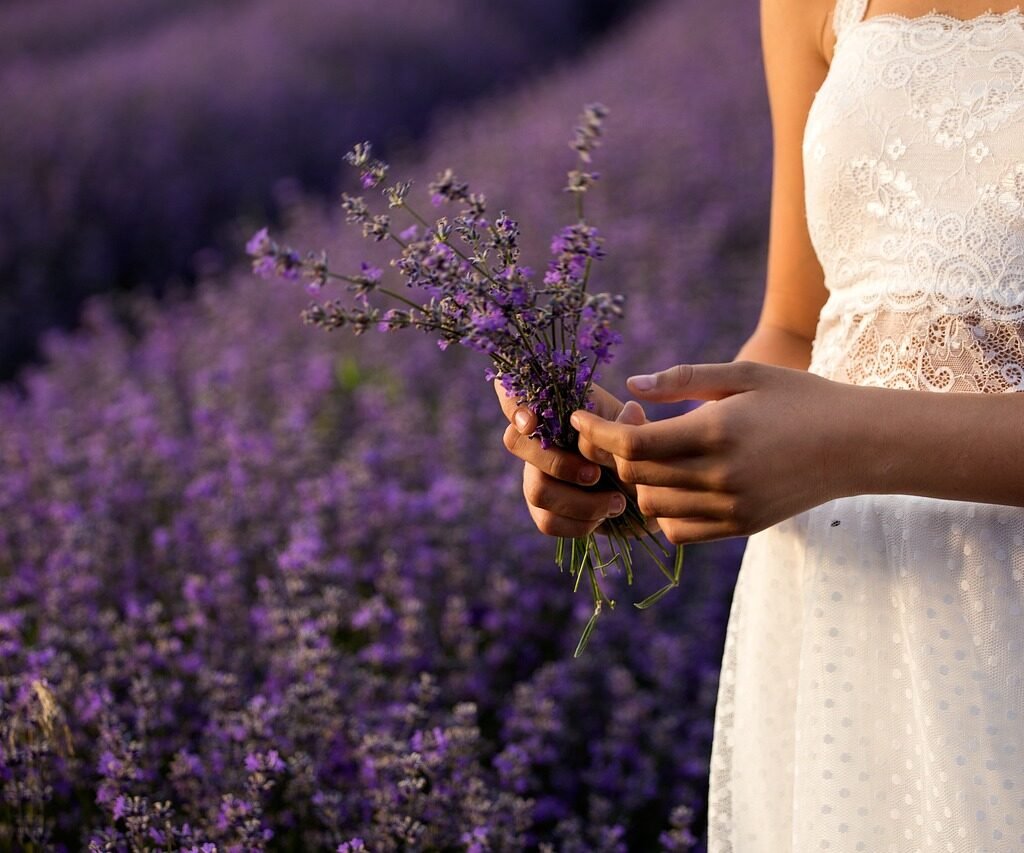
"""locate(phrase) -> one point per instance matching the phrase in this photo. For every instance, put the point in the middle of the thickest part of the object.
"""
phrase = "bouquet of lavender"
(464, 282)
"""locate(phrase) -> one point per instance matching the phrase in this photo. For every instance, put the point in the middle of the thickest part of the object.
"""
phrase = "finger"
(694, 473)
(568, 501)
(605, 405)
(697, 382)
(663, 503)
(679, 436)
(556, 525)
(631, 413)
(687, 531)
(558, 463)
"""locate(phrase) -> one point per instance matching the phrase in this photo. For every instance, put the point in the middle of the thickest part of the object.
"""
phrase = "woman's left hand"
(776, 442)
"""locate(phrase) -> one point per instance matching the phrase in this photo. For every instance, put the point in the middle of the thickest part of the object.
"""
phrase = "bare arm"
(956, 446)
(794, 43)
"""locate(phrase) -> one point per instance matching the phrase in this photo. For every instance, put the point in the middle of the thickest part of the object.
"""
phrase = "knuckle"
(748, 371)
(625, 470)
(633, 445)
(563, 468)
(718, 430)
(723, 480)
(749, 518)
(675, 533)
(547, 524)
(536, 493)
(681, 374)
(645, 501)
(737, 511)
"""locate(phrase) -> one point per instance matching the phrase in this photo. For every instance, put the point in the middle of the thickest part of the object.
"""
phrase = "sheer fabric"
(872, 693)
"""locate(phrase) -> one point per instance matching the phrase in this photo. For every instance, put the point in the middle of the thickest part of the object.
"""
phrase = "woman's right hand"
(556, 481)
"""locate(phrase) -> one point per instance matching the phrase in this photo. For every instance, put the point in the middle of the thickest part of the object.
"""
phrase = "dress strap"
(847, 13)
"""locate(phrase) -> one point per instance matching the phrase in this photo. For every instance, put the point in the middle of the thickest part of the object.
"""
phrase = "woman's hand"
(776, 442)
(555, 481)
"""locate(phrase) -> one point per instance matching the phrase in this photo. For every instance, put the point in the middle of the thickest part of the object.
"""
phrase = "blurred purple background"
(244, 571)
(136, 133)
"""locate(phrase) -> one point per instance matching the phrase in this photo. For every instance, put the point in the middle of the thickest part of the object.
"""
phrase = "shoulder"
(799, 27)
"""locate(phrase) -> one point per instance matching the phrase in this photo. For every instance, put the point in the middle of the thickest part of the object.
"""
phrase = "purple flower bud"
(259, 243)
(264, 267)
(370, 273)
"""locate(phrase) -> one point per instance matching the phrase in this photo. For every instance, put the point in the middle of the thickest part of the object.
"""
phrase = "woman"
(867, 436)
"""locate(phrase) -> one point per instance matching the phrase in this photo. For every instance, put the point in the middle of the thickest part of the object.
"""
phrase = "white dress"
(872, 696)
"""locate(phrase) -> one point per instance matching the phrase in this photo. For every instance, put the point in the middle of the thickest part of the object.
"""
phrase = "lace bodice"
(914, 171)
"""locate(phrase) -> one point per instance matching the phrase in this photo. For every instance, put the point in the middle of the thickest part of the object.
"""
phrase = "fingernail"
(575, 420)
(522, 420)
(644, 382)
(589, 474)
(617, 506)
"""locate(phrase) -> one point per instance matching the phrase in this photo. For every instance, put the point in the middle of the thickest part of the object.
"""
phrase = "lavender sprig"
(545, 339)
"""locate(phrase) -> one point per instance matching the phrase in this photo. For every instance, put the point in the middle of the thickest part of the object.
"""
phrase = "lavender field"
(198, 112)
(269, 588)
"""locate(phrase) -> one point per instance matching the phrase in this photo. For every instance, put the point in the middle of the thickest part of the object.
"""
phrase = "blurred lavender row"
(134, 133)
(270, 588)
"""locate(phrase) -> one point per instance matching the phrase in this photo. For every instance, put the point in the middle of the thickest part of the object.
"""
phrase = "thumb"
(633, 414)
(695, 382)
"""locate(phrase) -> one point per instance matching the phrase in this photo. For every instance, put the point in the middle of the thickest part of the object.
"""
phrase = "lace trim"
(967, 353)
(952, 21)
(920, 302)
(849, 14)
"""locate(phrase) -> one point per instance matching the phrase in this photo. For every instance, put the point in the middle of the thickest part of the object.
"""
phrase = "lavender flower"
(545, 341)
